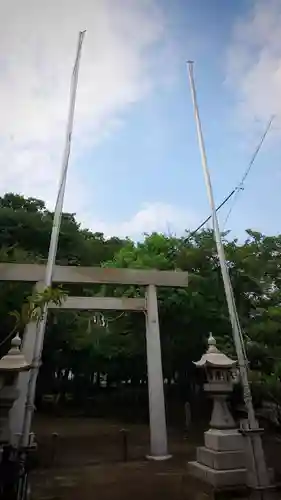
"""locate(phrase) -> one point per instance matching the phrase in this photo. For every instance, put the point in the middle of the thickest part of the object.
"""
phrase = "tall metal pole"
(24, 441)
(260, 468)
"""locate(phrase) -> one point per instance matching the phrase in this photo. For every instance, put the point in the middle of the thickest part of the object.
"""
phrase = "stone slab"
(80, 274)
(204, 491)
(227, 440)
(221, 460)
(101, 304)
(218, 478)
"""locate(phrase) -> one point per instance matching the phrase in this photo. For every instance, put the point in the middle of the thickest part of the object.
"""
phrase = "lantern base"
(224, 440)
(221, 462)
(218, 478)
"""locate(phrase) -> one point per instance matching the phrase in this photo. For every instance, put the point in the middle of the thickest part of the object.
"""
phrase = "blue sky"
(135, 165)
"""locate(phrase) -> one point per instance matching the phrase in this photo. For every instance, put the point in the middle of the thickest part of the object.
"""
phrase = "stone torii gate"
(92, 275)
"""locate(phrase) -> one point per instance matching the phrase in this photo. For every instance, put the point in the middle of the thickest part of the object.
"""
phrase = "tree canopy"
(81, 347)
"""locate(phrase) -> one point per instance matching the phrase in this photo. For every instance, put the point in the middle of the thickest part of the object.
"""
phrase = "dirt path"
(85, 460)
(92, 441)
(134, 480)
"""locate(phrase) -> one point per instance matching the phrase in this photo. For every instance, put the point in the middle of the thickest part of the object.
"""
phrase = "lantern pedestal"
(221, 462)
(8, 395)
(10, 367)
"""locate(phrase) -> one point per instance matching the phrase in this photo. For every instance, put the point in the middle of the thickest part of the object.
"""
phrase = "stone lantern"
(220, 376)
(10, 367)
(221, 462)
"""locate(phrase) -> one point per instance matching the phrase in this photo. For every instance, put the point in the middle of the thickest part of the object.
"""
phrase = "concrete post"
(16, 415)
(157, 416)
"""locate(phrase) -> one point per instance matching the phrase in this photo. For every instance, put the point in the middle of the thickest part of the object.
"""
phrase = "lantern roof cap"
(213, 357)
(14, 359)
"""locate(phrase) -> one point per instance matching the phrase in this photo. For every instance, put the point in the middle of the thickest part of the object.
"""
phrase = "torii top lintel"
(76, 274)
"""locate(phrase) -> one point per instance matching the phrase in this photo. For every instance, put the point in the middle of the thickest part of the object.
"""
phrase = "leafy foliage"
(80, 347)
(32, 309)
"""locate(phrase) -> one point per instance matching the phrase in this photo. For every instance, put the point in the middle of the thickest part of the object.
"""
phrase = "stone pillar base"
(158, 458)
(218, 478)
(221, 462)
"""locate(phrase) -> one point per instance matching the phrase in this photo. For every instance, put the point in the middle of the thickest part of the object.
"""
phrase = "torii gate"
(92, 275)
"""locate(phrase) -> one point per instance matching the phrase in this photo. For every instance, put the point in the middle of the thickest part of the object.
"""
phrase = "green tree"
(79, 349)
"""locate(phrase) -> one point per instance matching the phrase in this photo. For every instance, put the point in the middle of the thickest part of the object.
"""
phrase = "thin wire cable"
(210, 216)
(240, 186)
(110, 320)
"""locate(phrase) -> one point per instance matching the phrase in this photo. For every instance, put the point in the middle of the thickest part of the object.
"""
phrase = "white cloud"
(160, 217)
(37, 47)
(254, 62)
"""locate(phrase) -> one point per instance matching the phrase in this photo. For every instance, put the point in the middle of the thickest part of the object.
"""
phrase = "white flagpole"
(260, 469)
(40, 333)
